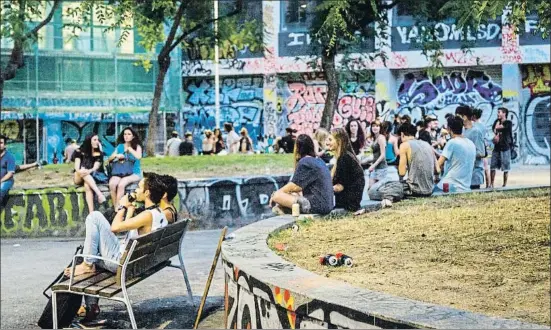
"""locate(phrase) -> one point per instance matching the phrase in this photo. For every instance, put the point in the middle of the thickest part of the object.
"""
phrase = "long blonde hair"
(320, 136)
(343, 145)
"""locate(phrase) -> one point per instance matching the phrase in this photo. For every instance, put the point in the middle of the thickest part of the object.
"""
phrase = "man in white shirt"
(173, 145)
(232, 139)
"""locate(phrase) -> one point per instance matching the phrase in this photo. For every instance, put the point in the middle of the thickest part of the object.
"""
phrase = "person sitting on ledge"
(348, 175)
(311, 185)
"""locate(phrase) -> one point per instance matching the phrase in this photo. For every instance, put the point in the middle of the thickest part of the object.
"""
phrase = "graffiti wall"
(61, 211)
(241, 103)
(252, 304)
(536, 118)
(22, 137)
(302, 102)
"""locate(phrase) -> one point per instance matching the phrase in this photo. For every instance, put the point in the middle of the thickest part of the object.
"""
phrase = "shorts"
(378, 174)
(501, 160)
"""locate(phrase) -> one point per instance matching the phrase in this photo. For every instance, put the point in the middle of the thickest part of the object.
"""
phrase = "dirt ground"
(486, 253)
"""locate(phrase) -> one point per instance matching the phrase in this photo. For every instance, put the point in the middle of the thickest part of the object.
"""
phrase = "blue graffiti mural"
(241, 103)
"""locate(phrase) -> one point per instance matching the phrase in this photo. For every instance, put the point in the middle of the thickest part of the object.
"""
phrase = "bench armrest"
(87, 256)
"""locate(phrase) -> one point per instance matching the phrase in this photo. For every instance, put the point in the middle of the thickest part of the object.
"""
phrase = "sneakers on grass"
(386, 203)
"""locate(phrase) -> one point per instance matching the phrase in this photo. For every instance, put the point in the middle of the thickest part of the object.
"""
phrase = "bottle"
(295, 210)
(55, 160)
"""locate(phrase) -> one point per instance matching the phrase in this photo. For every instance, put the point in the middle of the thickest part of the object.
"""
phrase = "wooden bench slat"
(167, 240)
(167, 252)
(64, 285)
(80, 287)
(179, 226)
(96, 288)
(115, 289)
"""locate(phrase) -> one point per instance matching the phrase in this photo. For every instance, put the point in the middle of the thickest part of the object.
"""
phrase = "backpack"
(67, 303)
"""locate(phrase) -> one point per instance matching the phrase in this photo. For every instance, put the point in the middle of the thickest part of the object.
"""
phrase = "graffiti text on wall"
(450, 34)
(214, 204)
(240, 100)
(418, 95)
(304, 101)
(252, 304)
(537, 116)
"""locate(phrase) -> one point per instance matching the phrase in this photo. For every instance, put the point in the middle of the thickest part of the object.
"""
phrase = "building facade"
(271, 90)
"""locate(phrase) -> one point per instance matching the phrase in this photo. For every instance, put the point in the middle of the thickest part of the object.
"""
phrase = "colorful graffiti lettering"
(419, 95)
(241, 101)
(537, 118)
(304, 102)
(252, 304)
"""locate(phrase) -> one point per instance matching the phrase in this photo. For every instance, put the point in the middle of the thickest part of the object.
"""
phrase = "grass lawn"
(486, 253)
(181, 167)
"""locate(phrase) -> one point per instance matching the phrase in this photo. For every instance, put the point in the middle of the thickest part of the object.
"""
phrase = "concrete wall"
(264, 291)
(61, 211)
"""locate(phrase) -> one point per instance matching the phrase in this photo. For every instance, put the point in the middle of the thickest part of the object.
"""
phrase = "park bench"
(143, 257)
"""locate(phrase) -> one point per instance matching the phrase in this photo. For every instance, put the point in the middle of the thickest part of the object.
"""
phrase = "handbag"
(100, 177)
(122, 169)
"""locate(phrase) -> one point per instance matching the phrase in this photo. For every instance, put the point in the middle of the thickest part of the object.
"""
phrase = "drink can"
(295, 210)
(329, 259)
(446, 187)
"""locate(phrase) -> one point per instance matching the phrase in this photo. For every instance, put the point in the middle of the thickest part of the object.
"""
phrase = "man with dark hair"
(503, 141)
(171, 190)
(459, 156)
(424, 133)
(418, 161)
(186, 147)
(232, 139)
(477, 114)
(7, 170)
(100, 235)
(477, 137)
(287, 143)
(173, 145)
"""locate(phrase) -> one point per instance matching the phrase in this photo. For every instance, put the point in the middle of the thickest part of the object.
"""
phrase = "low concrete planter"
(262, 290)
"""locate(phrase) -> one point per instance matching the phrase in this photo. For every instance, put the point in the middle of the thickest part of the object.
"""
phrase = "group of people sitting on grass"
(404, 162)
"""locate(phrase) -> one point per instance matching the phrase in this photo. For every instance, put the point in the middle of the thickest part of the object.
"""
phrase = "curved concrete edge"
(262, 290)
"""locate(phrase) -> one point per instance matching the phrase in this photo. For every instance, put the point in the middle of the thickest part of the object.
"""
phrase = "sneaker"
(92, 312)
(386, 203)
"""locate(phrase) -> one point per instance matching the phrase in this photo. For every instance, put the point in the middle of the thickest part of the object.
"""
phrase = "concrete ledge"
(265, 291)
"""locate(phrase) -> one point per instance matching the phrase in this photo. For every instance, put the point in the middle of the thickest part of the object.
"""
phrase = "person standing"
(218, 141)
(474, 134)
(459, 156)
(7, 170)
(232, 139)
(245, 142)
(503, 140)
(208, 143)
(356, 134)
(172, 145)
(377, 170)
(69, 150)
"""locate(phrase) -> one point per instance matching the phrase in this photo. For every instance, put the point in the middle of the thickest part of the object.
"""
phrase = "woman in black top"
(348, 176)
(89, 169)
(218, 141)
(356, 134)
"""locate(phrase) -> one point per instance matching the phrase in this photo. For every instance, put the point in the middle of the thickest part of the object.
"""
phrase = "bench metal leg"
(54, 310)
(130, 311)
(189, 293)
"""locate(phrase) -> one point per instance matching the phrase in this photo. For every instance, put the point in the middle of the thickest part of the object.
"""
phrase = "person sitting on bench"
(100, 236)
(171, 190)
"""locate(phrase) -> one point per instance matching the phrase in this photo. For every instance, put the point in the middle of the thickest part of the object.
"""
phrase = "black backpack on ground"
(67, 303)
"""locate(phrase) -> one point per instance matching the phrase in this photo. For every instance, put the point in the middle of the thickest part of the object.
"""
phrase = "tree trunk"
(332, 78)
(164, 63)
(10, 70)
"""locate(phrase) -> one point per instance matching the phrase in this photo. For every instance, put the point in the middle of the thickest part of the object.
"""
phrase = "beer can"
(344, 260)
(446, 187)
(329, 260)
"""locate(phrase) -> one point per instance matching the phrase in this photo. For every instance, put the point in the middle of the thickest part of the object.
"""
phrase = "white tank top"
(158, 221)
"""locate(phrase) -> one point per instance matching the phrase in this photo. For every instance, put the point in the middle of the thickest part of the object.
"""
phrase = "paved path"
(29, 265)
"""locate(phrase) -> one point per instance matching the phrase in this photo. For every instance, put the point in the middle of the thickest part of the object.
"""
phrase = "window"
(296, 12)
(76, 75)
